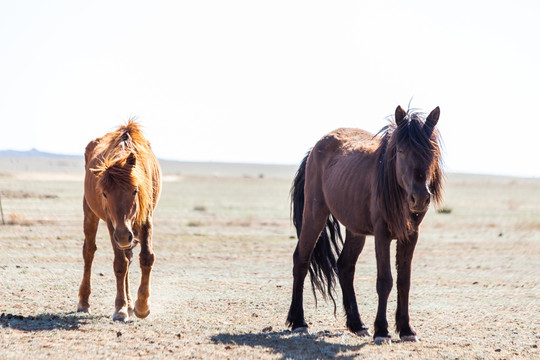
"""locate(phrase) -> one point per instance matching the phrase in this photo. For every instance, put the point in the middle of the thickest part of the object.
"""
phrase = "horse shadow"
(292, 345)
(46, 321)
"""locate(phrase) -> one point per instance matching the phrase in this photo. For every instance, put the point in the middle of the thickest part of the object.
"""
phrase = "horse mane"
(125, 164)
(424, 142)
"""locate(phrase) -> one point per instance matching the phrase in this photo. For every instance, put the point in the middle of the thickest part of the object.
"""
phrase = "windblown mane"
(411, 135)
(125, 163)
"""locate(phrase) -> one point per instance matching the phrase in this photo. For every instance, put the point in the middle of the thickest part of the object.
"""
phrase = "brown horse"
(122, 186)
(373, 185)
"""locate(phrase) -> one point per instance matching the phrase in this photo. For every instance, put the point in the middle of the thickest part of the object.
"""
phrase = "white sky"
(262, 81)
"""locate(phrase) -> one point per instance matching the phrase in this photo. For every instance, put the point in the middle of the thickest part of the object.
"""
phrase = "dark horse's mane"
(411, 135)
(124, 164)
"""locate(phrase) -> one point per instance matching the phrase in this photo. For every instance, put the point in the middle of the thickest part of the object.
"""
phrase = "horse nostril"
(412, 199)
(130, 237)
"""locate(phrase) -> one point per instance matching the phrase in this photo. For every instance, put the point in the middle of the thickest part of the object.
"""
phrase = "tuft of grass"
(194, 223)
(199, 208)
(444, 210)
(19, 219)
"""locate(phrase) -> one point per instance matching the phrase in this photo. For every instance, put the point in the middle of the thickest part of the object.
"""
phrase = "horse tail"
(323, 263)
(297, 196)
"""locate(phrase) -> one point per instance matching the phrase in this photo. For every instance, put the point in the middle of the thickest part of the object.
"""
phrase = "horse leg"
(121, 268)
(346, 267)
(384, 283)
(90, 227)
(129, 255)
(404, 255)
(314, 220)
(146, 258)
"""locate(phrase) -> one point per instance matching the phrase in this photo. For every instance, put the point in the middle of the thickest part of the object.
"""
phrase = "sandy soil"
(222, 281)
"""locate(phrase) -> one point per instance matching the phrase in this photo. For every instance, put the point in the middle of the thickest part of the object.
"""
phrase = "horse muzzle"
(419, 202)
(124, 240)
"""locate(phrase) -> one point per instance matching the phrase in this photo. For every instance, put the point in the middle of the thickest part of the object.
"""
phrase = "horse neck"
(391, 198)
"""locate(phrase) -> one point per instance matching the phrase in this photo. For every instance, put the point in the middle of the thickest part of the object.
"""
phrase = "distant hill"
(34, 153)
(37, 161)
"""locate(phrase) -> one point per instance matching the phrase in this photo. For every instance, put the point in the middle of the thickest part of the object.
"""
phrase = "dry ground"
(222, 281)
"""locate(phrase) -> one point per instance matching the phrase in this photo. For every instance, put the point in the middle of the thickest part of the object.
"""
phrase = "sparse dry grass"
(222, 289)
(19, 219)
(12, 194)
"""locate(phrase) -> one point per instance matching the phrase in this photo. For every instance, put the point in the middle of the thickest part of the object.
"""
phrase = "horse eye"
(419, 175)
(135, 193)
(104, 195)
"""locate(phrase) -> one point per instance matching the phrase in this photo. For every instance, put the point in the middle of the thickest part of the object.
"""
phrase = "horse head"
(117, 182)
(417, 158)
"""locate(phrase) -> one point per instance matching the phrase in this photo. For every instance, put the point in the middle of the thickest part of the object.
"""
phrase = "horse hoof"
(120, 315)
(363, 333)
(301, 330)
(142, 315)
(382, 340)
(409, 338)
(82, 308)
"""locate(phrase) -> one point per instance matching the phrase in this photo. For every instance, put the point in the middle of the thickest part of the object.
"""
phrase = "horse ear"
(432, 119)
(131, 159)
(400, 115)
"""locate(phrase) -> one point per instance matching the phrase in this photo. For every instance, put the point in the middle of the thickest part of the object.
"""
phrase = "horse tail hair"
(297, 196)
(323, 263)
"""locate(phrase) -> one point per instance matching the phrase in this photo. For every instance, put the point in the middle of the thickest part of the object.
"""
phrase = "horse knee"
(384, 285)
(89, 248)
(120, 266)
(403, 283)
(147, 259)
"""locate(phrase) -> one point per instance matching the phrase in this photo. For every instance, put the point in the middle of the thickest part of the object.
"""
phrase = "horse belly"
(356, 220)
(351, 207)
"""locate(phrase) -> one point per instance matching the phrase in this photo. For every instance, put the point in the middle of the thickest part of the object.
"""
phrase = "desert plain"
(222, 280)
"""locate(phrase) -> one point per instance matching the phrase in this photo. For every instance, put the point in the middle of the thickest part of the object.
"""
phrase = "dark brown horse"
(121, 187)
(373, 185)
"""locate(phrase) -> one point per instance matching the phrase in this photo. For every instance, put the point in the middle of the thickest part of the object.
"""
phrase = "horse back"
(345, 162)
